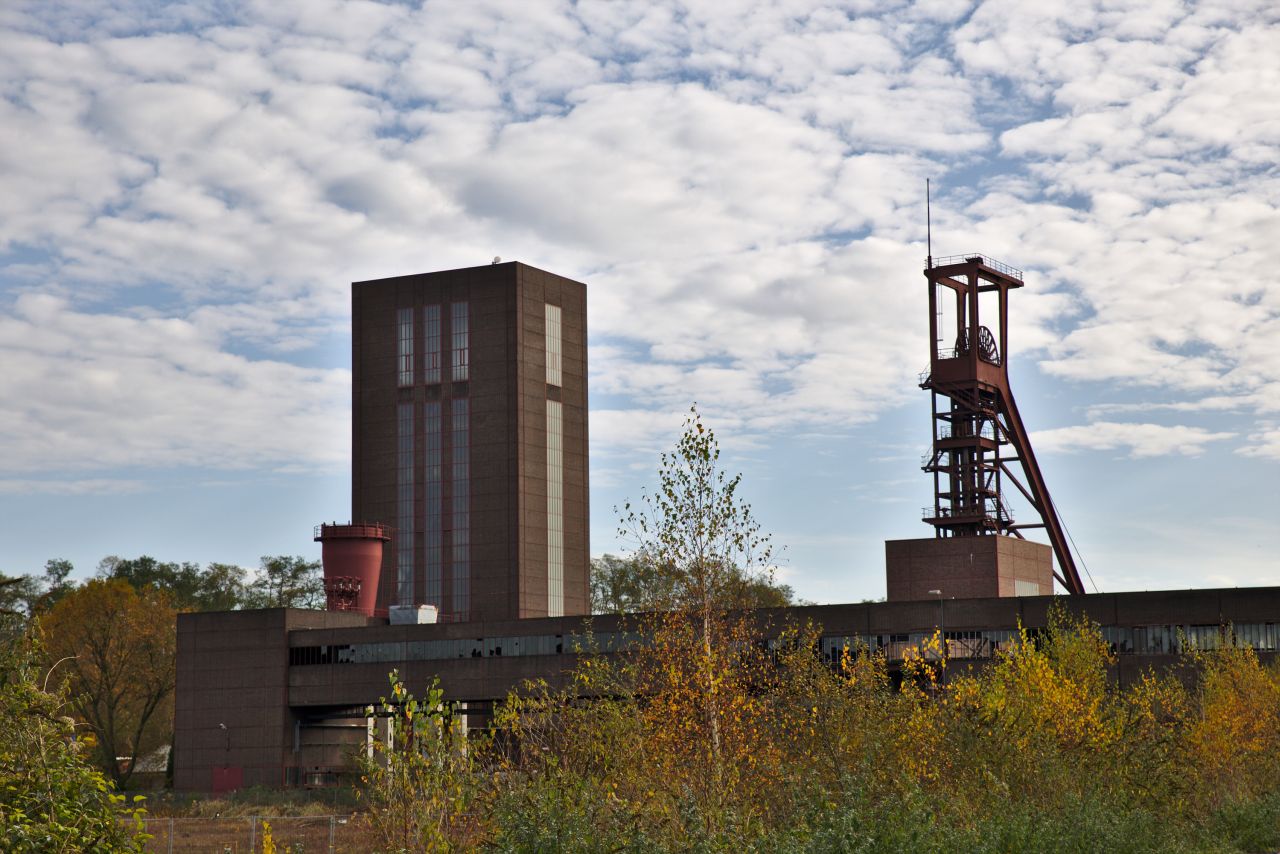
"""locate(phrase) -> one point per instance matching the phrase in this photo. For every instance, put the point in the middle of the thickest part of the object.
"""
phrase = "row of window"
(438, 650)
(1123, 640)
(460, 358)
(1171, 639)
(555, 467)
(962, 644)
(433, 511)
(555, 358)
(433, 463)
(555, 510)
(433, 505)
(404, 501)
(459, 350)
(461, 484)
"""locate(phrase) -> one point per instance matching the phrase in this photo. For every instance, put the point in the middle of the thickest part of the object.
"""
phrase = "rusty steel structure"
(352, 557)
(341, 593)
(977, 431)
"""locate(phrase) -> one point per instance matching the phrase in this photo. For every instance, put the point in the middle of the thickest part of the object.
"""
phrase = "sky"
(188, 190)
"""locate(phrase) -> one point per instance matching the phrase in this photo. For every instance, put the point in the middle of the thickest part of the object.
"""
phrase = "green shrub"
(51, 797)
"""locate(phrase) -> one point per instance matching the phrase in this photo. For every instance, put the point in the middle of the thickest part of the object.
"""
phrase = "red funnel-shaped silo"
(352, 559)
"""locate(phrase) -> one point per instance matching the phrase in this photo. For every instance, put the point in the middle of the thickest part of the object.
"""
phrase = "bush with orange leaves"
(1233, 736)
(1040, 751)
(717, 731)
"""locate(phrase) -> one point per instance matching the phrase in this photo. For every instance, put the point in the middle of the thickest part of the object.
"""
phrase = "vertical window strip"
(404, 350)
(461, 331)
(554, 359)
(433, 521)
(404, 504)
(431, 355)
(555, 510)
(460, 433)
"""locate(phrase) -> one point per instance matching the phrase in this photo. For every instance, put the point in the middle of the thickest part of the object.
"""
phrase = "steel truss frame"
(978, 433)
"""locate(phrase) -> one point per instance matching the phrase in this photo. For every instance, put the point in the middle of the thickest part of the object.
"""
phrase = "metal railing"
(215, 834)
(998, 266)
(986, 512)
(947, 430)
(342, 530)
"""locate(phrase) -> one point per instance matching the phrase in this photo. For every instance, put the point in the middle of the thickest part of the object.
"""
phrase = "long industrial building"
(278, 697)
(467, 555)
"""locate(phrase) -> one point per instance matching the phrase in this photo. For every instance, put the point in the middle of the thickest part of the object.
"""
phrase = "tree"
(626, 586)
(760, 591)
(27, 595)
(57, 583)
(420, 782)
(671, 742)
(697, 534)
(630, 585)
(286, 582)
(118, 644)
(18, 595)
(222, 587)
(218, 587)
(51, 798)
(1235, 737)
(180, 580)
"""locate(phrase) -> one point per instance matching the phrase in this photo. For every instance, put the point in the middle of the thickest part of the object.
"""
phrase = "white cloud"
(1136, 440)
(739, 183)
(83, 486)
(91, 391)
(1213, 403)
(1263, 443)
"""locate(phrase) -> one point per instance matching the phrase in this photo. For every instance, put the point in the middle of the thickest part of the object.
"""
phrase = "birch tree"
(698, 535)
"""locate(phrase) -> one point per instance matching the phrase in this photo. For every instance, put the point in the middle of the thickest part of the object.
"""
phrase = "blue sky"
(189, 189)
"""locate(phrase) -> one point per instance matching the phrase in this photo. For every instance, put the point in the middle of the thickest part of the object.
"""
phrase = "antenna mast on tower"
(928, 225)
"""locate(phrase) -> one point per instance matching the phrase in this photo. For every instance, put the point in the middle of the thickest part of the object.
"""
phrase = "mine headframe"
(977, 432)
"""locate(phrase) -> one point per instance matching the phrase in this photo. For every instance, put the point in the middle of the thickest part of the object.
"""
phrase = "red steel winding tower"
(978, 433)
(978, 549)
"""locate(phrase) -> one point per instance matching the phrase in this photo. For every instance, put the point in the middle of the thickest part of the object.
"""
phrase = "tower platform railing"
(998, 266)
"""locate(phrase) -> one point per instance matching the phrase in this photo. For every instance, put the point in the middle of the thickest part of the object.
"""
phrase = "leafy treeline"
(786, 752)
(281, 581)
(705, 737)
(109, 643)
(630, 585)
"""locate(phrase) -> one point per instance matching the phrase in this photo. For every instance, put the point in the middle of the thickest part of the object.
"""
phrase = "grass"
(254, 801)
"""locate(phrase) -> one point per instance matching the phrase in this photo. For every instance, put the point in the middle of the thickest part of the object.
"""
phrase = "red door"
(227, 778)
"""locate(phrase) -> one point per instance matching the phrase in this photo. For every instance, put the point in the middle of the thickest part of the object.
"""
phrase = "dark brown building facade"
(280, 697)
(469, 439)
(966, 568)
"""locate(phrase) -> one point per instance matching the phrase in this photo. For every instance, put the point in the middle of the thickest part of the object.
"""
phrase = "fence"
(321, 834)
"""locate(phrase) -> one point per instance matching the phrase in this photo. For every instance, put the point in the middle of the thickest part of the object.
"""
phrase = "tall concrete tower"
(469, 439)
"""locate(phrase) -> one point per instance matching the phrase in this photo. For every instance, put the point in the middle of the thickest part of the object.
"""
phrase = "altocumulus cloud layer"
(188, 189)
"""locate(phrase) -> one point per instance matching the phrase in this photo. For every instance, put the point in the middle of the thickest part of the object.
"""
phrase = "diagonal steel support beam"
(1005, 469)
(1057, 537)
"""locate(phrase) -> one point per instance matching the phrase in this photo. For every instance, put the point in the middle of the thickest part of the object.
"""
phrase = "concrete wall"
(967, 568)
(508, 392)
(233, 671)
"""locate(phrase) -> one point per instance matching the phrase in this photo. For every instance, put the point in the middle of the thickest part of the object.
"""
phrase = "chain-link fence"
(319, 834)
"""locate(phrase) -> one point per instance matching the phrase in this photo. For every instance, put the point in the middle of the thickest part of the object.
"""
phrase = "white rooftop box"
(412, 615)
